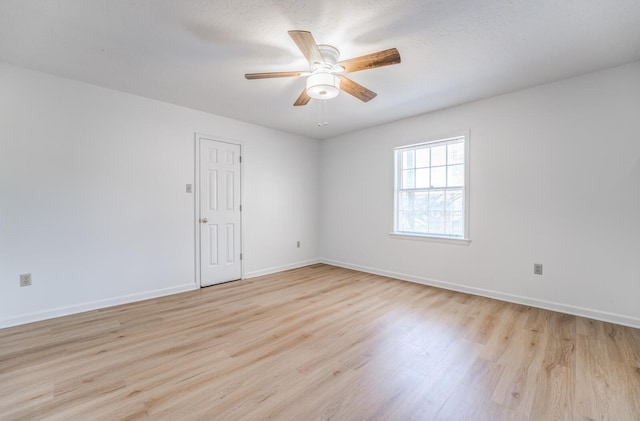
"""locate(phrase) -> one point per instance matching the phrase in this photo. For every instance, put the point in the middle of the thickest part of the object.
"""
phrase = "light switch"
(188, 188)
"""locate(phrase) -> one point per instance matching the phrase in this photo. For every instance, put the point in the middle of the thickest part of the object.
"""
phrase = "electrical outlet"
(298, 244)
(537, 268)
(25, 280)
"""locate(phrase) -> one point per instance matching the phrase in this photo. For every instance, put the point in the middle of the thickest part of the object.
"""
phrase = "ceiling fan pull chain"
(322, 113)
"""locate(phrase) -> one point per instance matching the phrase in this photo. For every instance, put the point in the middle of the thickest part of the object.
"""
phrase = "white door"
(219, 212)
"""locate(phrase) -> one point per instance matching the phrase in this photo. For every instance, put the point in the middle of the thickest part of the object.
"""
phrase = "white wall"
(93, 201)
(555, 179)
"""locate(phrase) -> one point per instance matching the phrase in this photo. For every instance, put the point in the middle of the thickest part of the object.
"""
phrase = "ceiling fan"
(325, 78)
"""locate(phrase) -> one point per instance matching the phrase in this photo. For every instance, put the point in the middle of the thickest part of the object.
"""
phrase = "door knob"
(204, 220)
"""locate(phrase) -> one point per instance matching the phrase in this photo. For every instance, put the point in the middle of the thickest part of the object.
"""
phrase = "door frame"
(196, 211)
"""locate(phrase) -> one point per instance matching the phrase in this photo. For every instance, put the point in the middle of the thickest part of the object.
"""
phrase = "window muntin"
(431, 191)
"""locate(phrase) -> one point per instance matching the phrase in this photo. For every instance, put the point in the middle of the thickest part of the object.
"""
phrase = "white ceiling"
(195, 52)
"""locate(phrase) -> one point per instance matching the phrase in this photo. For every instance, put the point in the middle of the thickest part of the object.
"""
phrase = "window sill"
(429, 238)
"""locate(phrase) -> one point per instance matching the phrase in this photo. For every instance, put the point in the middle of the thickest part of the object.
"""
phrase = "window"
(431, 192)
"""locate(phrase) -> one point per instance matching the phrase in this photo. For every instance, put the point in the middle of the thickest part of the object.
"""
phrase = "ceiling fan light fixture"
(323, 85)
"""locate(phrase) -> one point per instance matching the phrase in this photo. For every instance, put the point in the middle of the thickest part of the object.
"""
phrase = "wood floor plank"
(320, 342)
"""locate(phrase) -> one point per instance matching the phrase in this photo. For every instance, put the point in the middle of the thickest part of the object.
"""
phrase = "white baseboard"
(93, 305)
(269, 271)
(533, 302)
(110, 302)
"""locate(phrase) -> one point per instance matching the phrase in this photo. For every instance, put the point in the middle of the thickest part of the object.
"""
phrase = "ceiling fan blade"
(271, 74)
(356, 90)
(305, 42)
(303, 99)
(370, 61)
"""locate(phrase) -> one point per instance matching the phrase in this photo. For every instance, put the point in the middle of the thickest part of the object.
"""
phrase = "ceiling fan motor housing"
(330, 55)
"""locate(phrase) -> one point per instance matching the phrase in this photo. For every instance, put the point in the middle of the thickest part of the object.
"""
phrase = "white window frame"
(397, 168)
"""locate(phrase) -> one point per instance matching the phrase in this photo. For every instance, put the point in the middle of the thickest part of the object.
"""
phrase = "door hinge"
(240, 256)
(240, 156)
(240, 208)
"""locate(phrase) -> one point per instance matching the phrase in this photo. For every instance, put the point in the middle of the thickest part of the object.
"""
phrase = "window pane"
(422, 157)
(436, 201)
(422, 178)
(436, 222)
(421, 200)
(408, 179)
(455, 175)
(407, 159)
(439, 155)
(455, 153)
(439, 177)
(405, 221)
(406, 201)
(455, 224)
(421, 222)
(455, 200)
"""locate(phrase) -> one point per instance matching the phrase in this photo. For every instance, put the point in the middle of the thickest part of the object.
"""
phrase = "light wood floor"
(320, 343)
